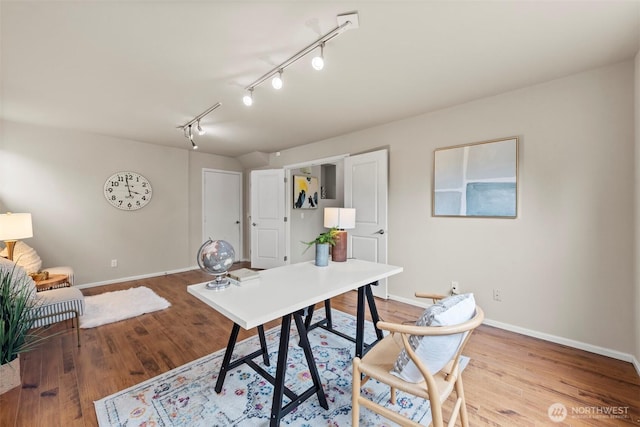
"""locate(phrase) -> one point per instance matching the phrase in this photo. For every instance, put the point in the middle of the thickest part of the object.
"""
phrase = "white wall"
(565, 266)
(58, 176)
(636, 256)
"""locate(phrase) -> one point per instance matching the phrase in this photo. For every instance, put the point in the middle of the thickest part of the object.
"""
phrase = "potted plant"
(323, 242)
(17, 315)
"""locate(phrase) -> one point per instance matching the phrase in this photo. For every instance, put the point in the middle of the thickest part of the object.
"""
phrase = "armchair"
(53, 305)
(421, 359)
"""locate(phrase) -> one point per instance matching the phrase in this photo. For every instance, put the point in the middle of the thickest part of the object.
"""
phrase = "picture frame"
(305, 192)
(476, 180)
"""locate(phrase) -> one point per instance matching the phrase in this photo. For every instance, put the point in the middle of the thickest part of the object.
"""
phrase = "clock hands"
(126, 181)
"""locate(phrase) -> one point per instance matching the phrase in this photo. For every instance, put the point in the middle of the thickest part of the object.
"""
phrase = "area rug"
(114, 306)
(185, 396)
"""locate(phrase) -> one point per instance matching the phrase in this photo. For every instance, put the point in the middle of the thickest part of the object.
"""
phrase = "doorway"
(222, 207)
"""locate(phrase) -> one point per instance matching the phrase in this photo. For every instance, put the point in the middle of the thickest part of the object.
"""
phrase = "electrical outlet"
(455, 287)
(497, 295)
(114, 263)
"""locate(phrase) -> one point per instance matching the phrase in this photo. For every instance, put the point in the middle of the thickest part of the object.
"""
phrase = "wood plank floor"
(511, 380)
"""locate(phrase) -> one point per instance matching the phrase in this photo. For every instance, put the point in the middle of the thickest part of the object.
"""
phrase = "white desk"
(284, 292)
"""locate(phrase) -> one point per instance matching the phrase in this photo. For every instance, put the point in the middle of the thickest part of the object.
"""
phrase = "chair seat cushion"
(57, 305)
(435, 351)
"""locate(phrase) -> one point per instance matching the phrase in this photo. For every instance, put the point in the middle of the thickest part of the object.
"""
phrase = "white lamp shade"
(14, 226)
(342, 218)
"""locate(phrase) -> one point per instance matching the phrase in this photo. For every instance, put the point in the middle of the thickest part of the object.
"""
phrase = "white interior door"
(366, 190)
(222, 207)
(267, 218)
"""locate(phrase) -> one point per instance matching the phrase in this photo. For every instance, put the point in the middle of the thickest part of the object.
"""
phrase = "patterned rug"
(185, 396)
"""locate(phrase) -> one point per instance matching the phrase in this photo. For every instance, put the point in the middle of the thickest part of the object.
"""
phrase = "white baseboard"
(543, 336)
(127, 279)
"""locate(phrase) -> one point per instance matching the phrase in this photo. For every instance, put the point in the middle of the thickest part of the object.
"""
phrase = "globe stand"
(220, 283)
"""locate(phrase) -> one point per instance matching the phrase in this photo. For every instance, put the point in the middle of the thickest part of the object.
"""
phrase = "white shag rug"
(119, 305)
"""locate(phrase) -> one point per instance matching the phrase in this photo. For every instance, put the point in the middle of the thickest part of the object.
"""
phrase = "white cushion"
(19, 275)
(25, 256)
(436, 351)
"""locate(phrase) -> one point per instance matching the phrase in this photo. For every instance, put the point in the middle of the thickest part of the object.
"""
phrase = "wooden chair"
(436, 387)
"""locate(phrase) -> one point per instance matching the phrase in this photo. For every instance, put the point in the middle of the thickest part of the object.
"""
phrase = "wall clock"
(128, 190)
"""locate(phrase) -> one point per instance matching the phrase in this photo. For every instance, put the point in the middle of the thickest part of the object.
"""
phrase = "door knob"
(237, 222)
(254, 224)
(381, 231)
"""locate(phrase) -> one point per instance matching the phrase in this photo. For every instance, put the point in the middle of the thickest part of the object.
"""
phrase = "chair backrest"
(452, 367)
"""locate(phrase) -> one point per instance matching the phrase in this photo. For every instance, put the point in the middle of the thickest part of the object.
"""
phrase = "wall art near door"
(476, 180)
(305, 192)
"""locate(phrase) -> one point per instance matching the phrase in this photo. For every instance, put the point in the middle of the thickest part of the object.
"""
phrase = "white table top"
(283, 290)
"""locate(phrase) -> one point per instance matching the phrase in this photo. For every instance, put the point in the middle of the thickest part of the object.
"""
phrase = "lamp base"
(10, 245)
(339, 251)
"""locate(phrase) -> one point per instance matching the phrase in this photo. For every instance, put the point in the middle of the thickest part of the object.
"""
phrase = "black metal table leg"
(313, 369)
(327, 313)
(281, 367)
(263, 345)
(309, 316)
(227, 357)
(360, 322)
(373, 310)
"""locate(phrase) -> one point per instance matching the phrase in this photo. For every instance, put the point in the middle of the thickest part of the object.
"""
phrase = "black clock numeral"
(119, 202)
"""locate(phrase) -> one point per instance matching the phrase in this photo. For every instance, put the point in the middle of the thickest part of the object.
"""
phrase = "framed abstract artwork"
(305, 192)
(476, 180)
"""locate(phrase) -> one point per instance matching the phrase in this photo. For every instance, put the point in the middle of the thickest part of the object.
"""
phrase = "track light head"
(318, 61)
(276, 82)
(200, 130)
(248, 98)
(193, 144)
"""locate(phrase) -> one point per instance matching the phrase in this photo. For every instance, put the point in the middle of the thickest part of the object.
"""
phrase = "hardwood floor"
(511, 380)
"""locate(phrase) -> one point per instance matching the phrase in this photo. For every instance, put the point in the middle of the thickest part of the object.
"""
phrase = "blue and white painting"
(477, 180)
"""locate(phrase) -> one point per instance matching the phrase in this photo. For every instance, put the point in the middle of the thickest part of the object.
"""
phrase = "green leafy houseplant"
(326, 237)
(17, 314)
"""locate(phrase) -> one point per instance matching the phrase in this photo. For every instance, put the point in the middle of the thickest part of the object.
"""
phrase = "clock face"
(127, 190)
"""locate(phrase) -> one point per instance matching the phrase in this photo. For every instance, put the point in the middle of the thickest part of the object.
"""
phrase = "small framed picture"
(305, 192)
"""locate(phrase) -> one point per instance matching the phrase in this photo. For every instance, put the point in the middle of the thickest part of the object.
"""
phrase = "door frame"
(240, 250)
(288, 192)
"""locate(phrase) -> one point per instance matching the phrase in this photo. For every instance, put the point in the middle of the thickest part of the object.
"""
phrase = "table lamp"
(342, 219)
(14, 226)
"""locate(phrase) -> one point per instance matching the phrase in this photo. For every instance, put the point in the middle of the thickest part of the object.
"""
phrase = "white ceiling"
(137, 69)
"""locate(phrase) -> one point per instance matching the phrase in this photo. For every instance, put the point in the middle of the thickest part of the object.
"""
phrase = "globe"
(216, 257)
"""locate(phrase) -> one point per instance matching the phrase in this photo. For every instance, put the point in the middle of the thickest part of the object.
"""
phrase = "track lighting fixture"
(187, 127)
(276, 82)
(188, 133)
(318, 61)
(248, 98)
(346, 21)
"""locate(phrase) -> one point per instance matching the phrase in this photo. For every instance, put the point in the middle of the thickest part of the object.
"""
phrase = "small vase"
(322, 254)
(10, 375)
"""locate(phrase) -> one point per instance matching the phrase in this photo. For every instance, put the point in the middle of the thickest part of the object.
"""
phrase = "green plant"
(326, 237)
(18, 307)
